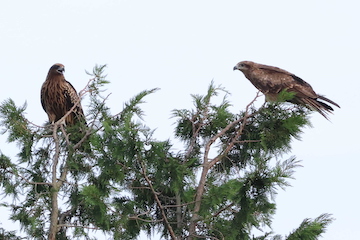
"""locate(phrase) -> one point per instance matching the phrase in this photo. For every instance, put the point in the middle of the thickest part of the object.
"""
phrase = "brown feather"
(58, 96)
(272, 80)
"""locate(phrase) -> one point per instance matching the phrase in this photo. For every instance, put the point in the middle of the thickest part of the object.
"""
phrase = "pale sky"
(180, 46)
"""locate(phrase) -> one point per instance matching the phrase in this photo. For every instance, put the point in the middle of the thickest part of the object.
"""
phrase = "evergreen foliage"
(8, 235)
(221, 186)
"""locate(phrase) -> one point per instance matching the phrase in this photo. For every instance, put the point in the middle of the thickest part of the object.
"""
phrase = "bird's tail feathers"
(328, 100)
(326, 106)
(318, 106)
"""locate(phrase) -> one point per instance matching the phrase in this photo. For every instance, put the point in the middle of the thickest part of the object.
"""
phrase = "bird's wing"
(73, 98)
(42, 96)
(279, 79)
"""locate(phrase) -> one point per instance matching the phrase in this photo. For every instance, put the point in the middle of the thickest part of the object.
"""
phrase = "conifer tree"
(221, 186)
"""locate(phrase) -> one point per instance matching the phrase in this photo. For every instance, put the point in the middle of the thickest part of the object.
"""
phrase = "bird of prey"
(58, 96)
(272, 80)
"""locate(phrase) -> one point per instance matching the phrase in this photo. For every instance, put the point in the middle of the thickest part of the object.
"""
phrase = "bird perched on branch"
(58, 97)
(272, 80)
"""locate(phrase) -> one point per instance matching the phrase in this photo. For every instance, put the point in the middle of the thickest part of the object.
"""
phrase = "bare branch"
(26, 180)
(207, 165)
(178, 205)
(54, 193)
(145, 220)
(66, 136)
(247, 141)
(196, 129)
(168, 226)
(223, 209)
(234, 139)
(77, 226)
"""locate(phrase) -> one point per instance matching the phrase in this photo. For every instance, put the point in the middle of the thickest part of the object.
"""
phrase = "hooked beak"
(235, 68)
(60, 70)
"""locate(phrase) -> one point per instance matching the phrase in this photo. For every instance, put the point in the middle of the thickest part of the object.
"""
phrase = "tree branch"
(168, 226)
(55, 188)
(223, 209)
(207, 165)
(26, 180)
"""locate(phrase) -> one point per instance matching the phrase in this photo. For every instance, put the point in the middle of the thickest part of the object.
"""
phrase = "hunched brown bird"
(272, 80)
(58, 96)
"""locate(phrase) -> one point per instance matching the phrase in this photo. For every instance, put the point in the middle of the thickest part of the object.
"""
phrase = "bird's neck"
(247, 74)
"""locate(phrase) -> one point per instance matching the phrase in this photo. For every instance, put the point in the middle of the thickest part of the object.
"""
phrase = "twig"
(26, 180)
(168, 226)
(66, 136)
(194, 136)
(247, 141)
(207, 165)
(77, 226)
(223, 209)
(145, 220)
(178, 205)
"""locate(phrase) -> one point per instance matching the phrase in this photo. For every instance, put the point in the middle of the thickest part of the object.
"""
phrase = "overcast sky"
(180, 46)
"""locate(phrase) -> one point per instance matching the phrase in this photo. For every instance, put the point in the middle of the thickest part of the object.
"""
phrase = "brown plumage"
(58, 96)
(272, 80)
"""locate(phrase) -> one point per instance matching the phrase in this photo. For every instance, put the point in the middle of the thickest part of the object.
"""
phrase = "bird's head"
(58, 68)
(243, 66)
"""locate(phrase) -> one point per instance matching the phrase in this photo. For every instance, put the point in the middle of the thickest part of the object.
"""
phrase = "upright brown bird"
(58, 96)
(272, 80)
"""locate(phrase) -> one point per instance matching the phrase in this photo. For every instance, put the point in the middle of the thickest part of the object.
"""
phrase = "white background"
(180, 46)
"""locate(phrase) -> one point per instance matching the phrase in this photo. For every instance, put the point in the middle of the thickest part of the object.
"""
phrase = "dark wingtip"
(328, 100)
(318, 106)
(326, 106)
